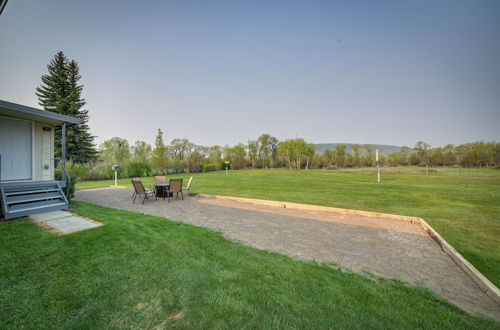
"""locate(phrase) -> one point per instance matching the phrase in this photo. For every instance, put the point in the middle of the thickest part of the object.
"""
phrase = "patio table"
(163, 188)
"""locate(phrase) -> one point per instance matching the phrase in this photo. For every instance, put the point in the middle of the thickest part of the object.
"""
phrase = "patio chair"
(160, 179)
(189, 184)
(175, 186)
(140, 190)
(134, 194)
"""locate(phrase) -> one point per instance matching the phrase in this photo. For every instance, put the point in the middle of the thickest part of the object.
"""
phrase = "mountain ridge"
(382, 148)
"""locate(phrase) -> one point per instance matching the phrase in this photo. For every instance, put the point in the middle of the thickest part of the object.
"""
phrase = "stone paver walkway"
(64, 222)
(383, 247)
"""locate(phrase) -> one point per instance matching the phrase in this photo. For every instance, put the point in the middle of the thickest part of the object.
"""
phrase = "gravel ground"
(382, 247)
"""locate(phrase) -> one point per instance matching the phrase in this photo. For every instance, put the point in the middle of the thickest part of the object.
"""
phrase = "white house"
(27, 184)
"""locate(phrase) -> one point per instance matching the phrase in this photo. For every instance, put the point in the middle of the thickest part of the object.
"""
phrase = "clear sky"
(223, 72)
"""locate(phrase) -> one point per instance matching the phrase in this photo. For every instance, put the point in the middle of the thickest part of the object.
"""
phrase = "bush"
(138, 169)
(77, 169)
(176, 166)
(208, 167)
(98, 171)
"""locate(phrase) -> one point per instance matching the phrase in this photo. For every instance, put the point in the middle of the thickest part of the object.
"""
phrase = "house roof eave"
(24, 112)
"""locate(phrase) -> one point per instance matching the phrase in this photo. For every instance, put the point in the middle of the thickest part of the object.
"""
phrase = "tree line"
(265, 152)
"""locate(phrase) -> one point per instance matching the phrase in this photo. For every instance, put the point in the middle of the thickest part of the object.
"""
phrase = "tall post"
(378, 167)
(63, 151)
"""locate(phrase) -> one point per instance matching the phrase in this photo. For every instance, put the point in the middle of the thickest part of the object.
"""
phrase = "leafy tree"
(115, 151)
(267, 150)
(449, 155)
(215, 156)
(141, 151)
(192, 155)
(340, 153)
(405, 151)
(309, 152)
(178, 148)
(421, 148)
(61, 92)
(299, 146)
(235, 155)
(496, 152)
(295, 151)
(395, 158)
(159, 157)
(253, 149)
(356, 149)
(370, 149)
(273, 149)
(329, 156)
(196, 156)
(478, 153)
(287, 151)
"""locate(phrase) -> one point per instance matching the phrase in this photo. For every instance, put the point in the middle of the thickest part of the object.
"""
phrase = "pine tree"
(82, 147)
(54, 91)
(61, 93)
(159, 158)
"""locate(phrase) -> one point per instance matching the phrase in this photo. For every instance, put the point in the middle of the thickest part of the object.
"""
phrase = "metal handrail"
(67, 178)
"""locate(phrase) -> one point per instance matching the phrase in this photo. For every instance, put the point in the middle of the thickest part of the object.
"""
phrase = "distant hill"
(382, 148)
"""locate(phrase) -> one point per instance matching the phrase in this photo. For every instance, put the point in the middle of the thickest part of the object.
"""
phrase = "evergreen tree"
(82, 147)
(159, 158)
(61, 93)
(54, 91)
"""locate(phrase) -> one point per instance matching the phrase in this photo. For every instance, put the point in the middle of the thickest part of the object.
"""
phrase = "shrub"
(138, 169)
(77, 169)
(176, 166)
(208, 167)
(98, 171)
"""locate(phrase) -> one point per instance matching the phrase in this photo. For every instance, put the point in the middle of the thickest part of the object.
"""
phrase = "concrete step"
(39, 206)
(28, 191)
(33, 197)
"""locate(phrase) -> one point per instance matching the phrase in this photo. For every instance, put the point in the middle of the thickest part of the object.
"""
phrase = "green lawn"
(462, 205)
(140, 271)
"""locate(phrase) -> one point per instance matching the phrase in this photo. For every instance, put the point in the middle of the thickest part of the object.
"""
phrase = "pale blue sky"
(223, 72)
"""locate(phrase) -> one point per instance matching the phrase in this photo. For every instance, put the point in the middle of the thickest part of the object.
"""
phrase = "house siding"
(44, 152)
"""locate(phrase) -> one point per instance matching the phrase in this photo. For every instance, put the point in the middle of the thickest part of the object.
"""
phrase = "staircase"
(27, 198)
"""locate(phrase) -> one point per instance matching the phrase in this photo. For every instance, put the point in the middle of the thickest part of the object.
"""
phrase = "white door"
(15, 149)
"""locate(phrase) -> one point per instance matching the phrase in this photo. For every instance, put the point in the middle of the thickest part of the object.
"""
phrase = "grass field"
(145, 272)
(462, 205)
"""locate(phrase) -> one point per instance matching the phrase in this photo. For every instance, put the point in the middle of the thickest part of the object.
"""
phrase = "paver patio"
(382, 247)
